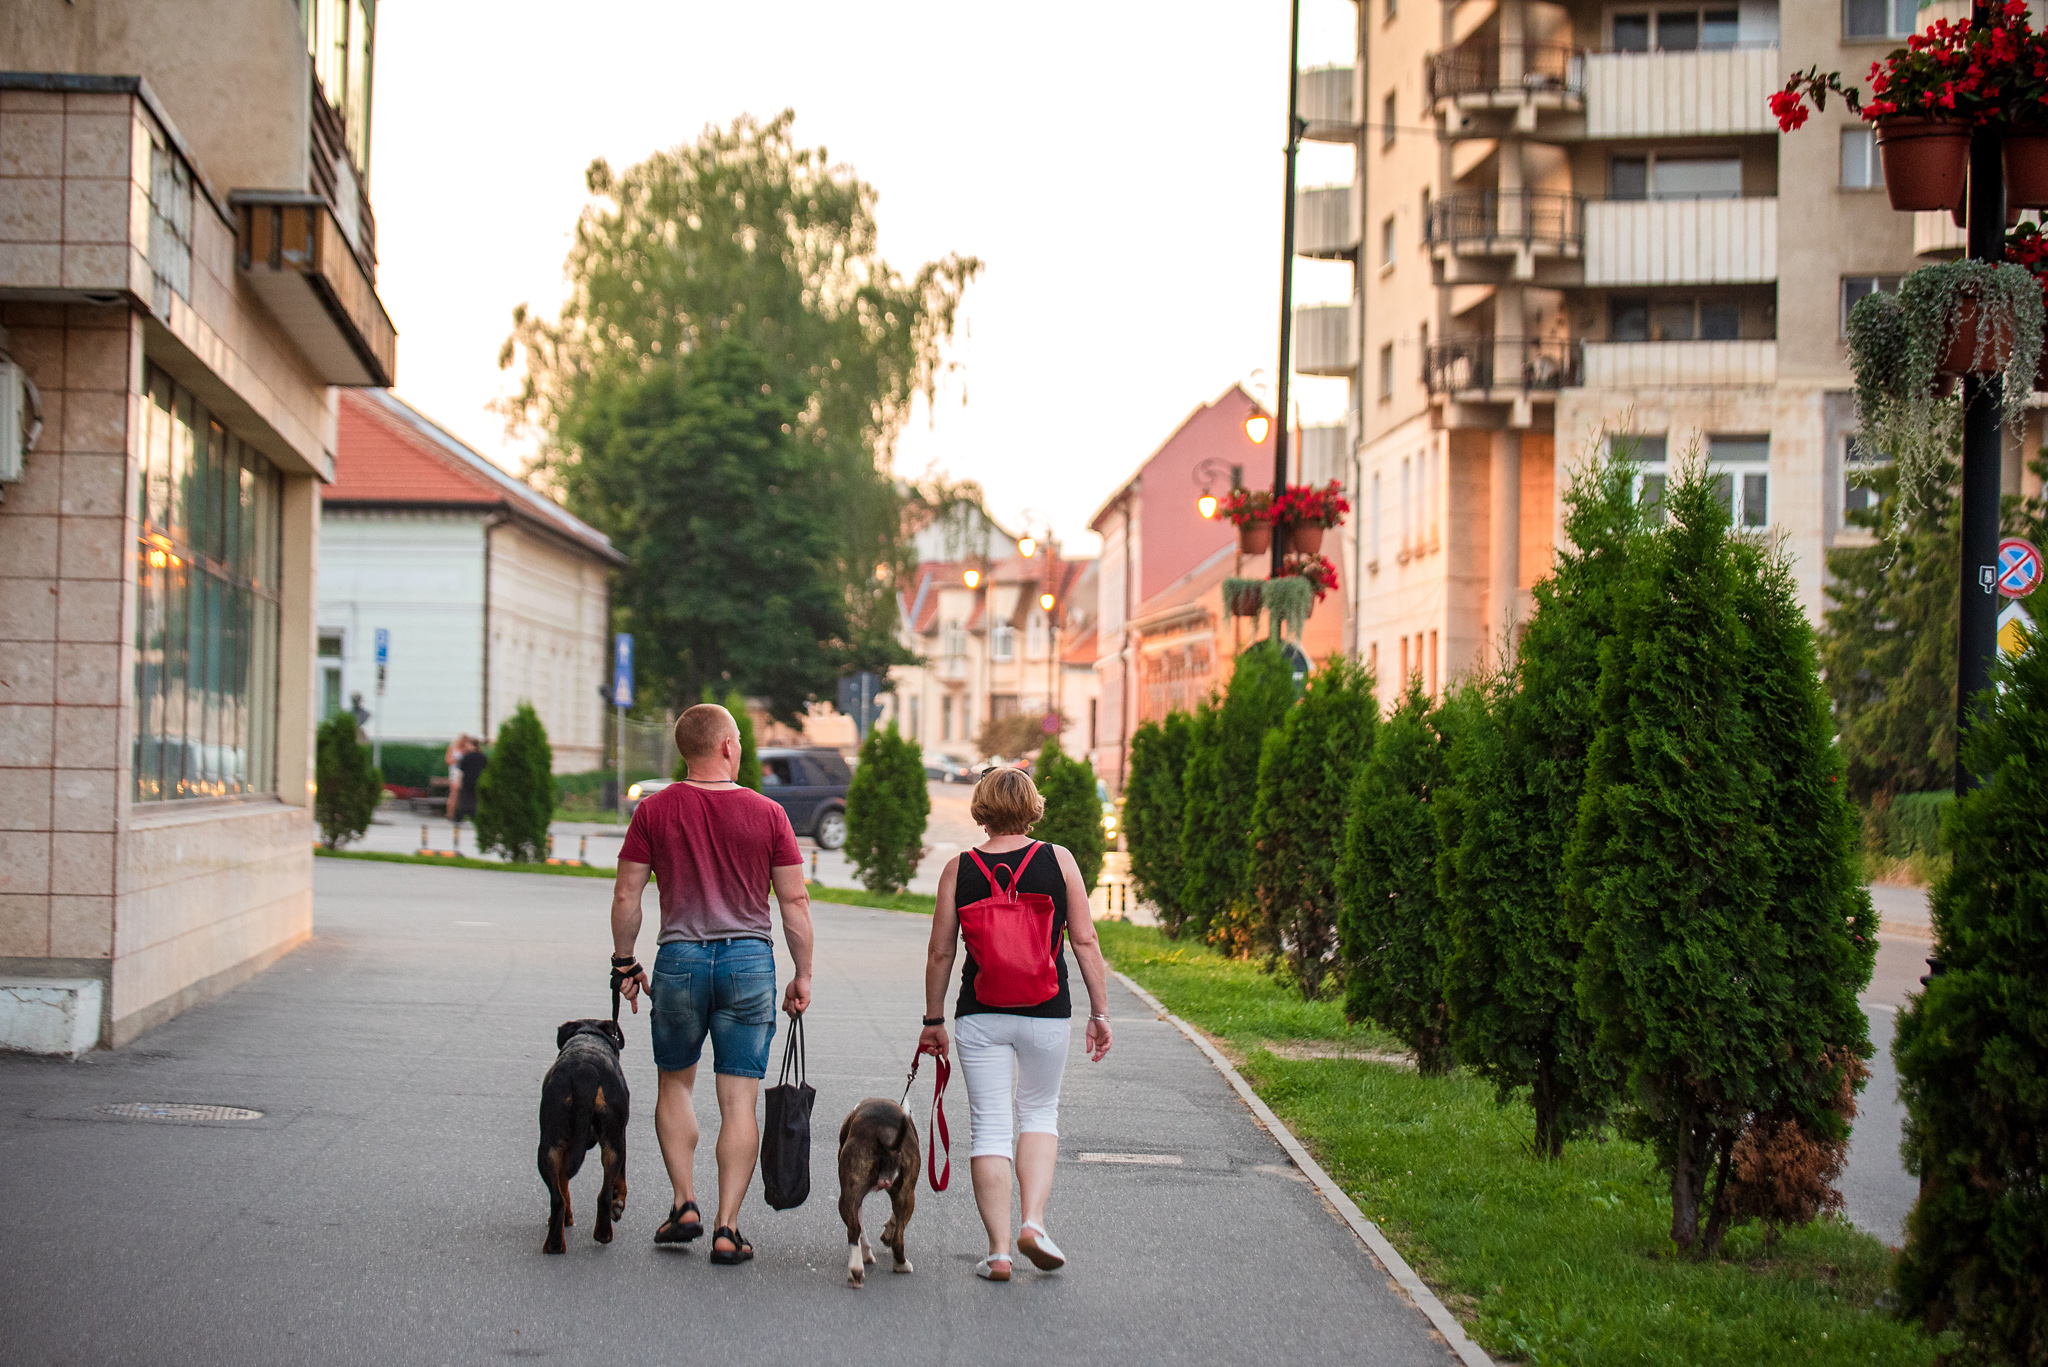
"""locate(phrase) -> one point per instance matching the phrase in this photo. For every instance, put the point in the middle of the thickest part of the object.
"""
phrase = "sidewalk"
(385, 1207)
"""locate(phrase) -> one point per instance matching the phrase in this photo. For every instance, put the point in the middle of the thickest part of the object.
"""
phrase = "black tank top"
(1042, 874)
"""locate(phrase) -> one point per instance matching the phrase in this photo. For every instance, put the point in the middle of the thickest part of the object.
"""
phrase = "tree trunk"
(1717, 1210)
(1688, 1179)
(1543, 1097)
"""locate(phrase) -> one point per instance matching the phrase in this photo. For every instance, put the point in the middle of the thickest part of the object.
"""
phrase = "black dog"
(877, 1152)
(583, 1105)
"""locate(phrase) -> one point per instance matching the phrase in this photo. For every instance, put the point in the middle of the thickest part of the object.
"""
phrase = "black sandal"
(676, 1229)
(740, 1251)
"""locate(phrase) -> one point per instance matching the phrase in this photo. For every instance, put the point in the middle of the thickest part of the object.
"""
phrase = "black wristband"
(934, 1020)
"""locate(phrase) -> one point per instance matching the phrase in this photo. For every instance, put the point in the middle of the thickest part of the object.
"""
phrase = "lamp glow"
(1207, 505)
(1027, 546)
(1045, 601)
(1256, 427)
(972, 579)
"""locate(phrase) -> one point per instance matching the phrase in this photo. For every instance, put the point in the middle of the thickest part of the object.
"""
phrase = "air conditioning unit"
(21, 420)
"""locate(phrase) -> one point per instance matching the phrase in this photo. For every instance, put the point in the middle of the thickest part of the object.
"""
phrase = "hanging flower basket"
(1290, 598)
(1304, 540)
(1251, 512)
(1306, 511)
(1244, 596)
(2026, 168)
(1926, 161)
(1255, 538)
(1975, 346)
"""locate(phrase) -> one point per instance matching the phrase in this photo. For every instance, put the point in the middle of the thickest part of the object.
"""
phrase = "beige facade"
(1572, 220)
(156, 770)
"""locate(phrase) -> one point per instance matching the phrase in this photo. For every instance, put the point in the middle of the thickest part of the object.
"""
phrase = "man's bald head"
(702, 729)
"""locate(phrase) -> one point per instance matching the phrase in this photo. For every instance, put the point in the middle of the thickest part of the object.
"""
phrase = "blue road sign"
(622, 669)
(383, 646)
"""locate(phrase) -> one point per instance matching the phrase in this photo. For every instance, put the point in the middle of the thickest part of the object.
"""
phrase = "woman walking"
(1008, 1046)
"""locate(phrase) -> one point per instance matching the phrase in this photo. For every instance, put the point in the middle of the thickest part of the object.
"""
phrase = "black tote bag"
(786, 1137)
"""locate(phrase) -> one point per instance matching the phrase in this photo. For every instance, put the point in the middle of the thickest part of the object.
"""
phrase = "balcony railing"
(1715, 93)
(1679, 365)
(293, 254)
(1509, 220)
(1325, 339)
(1326, 105)
(1511, 69)
(1682, 242)
(1326, 221)
(1501, 364)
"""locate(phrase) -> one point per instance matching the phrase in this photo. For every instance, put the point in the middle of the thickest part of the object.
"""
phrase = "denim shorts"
(723, 988)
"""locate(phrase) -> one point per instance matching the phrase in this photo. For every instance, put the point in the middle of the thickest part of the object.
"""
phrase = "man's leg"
(739, 1145)
(675, 1126)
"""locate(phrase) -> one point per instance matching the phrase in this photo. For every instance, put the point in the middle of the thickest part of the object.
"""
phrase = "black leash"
(624, 969)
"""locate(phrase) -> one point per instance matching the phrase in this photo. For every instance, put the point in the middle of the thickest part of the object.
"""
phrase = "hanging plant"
(1956, 317)
(1317, 570)
(1243, 596)
(1247, 507)
(1306, 511)
(1289, 599)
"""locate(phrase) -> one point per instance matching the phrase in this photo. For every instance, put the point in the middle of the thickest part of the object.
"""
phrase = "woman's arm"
(938, 959)
(1088, 953)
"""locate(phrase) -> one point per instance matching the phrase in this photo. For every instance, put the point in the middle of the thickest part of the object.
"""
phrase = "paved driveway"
(385, 1208)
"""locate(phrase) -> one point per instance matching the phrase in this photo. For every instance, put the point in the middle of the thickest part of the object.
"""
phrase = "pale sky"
(1115, 164)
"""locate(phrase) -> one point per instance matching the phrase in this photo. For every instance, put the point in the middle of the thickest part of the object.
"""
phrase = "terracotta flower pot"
(1255, 538)
(1926, 162)
(1305, 540)
(1245, 603)
(1961, 355)
(2026, 169)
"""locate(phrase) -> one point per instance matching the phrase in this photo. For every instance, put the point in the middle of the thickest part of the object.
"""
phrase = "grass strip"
(1549, 1263)
(917, 903)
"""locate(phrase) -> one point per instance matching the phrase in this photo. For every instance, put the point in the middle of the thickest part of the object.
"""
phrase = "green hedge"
(412, 766)
(1910, 825)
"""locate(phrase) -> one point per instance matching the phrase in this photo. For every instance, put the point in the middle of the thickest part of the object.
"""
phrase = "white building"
(491, 593)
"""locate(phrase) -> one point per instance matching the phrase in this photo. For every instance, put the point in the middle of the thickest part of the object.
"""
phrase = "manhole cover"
(176, 1111)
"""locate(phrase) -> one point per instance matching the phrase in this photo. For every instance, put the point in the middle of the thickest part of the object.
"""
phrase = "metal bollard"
(583, 856)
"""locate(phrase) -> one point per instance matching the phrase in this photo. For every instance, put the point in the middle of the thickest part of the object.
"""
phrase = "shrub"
(1972, 1051)
(1305, 768)
(406, 765)
(1712, 870)
(1222, 782)
(749, 775)
(1152, 813)
(1392, 923)
(886, 807)
(1517, 774)
(515, 796)
(1073, 809)
(347, 786)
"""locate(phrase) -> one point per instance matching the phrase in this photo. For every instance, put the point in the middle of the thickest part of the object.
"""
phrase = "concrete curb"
(1383, 1252)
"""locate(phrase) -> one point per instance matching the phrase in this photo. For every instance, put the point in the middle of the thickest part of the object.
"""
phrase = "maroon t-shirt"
(712, 850)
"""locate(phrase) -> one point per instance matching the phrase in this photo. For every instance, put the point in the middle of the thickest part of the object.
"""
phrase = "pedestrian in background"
(469, 767)
(449, 758)
(1021, 1045)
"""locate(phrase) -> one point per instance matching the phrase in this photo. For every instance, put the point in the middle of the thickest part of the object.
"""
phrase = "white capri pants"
(997, 1050)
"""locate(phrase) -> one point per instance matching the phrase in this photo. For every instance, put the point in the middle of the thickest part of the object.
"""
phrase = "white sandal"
(1044, 1254)
(988, 1271)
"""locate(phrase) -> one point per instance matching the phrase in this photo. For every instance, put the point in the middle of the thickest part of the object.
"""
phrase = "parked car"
(988, 765)
(808, 784)
(946, 768)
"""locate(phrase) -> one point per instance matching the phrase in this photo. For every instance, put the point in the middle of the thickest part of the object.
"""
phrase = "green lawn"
(1548, 1263)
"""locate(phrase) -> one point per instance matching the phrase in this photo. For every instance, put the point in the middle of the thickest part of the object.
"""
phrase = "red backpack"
(1010, 936)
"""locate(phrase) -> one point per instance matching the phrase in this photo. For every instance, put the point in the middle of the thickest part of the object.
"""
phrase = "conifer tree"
(886, 807)
(1307, 766)
(1073, 809)
(1222, 782)
(1152, 813)
(515, 796)
(1392, 923)
(347, 787)
(1517, 774)
(1972, 1050)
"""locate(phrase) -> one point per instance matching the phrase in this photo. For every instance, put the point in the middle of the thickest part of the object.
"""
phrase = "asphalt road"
(386, 1209)
(1877, 1191)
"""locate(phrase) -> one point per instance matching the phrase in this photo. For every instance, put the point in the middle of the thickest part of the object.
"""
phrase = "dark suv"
(811, 786)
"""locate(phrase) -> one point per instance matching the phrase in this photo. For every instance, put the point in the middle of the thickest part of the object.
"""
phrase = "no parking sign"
(2019, 567)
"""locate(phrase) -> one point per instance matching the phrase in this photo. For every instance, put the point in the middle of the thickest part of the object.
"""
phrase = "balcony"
(1682, 242)
(1679, 365)
(1324, 96)
(1719, 92)
(1325, 340)
(294, 256)
(1326, 222)
(1499, 369)
(1493, 75)
(1521, 224)
(1325, 453)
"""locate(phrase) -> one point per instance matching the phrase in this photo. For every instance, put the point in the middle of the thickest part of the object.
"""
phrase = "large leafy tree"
(692, 469)
(745, 235)
(1307, 765)
(1518, 772)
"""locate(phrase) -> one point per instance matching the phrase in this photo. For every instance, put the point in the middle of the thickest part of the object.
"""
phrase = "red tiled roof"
(1083, 649)
(391, 455)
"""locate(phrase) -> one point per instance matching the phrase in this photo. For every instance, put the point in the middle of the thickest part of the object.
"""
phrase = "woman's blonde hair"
(1006, 802)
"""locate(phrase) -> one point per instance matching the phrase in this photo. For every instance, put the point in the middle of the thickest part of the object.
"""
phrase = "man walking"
(715, 848)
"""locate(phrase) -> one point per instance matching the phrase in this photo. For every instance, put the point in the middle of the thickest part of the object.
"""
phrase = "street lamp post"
(1983, 449)
(1294, 132)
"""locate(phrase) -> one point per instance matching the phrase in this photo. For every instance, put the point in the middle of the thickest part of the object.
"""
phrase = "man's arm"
(626, 890)
(794, 898)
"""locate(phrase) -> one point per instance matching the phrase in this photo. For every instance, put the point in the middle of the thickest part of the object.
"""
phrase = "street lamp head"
(1045, 600)
(972, 579)
(1256, 427)
(1207, 504)
(1027, 546)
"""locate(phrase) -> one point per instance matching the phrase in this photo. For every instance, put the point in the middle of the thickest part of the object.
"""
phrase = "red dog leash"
(942, 1074)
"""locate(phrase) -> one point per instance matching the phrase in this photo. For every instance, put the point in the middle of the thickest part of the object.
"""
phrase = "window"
(1429, 473)
(1387, 121)
(1387, 242)
(1632, 32)
(1684, 319)
(330, 673)
(953, 640)
(1879, 18)
(1665, 177)
(1092, 720)
(341, 39)
(1628, 178)
(206, 619)
(170, 224)
(1739, 466)
(1677, 30)
(1002, 642)
(1387, 371)
(946, 717)
(1428, 225)
(1373, 547)
(1393, 8)
(1861, 168)
(1407, 513)
(916, 731)
(1854, 287)
(1628, 320)
(1423, 351)
(1859, 462)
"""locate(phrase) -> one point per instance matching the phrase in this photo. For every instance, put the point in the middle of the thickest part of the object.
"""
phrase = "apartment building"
(1574, 219)
(187, 271)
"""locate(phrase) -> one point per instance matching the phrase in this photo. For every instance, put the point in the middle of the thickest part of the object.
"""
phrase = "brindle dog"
(877, 1152)
(584, 1104)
